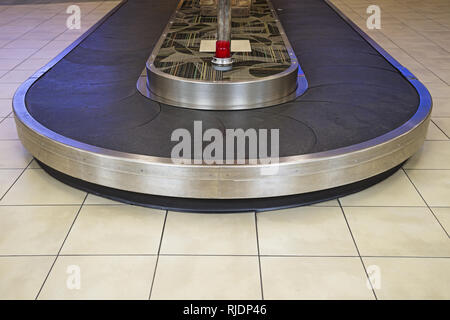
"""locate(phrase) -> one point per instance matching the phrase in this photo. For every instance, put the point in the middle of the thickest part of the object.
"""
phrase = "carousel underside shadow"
(83, 118)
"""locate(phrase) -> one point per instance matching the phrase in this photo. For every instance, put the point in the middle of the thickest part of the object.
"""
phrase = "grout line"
(25, 255)
(440, 129)
(406, 173)
(157, 256)
(437, 219)
(356, 256)
(126, 204)
(12, 185)
(357, 249)
(424, 206)
(214, 255)
(108, 254)
(405, 257)
(259, 256)
(46, 205)
(13, 168)
(62, 245)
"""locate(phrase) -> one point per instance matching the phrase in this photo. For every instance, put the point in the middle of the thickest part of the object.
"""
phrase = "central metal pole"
(223, 44)
(224, 20)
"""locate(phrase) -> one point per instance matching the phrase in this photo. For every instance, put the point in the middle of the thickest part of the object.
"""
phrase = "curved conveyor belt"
(361, 117)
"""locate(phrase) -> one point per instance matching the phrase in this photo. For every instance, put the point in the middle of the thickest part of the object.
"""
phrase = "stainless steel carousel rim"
(317, 164)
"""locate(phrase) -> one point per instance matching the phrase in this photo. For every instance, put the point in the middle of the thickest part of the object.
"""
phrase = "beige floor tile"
(57, 45)
(25, 21)
(10, 35)
(115, 230)
(383, 41)
(51, 27)
(7, 178)
(7, 90)
(292, 278)
(441, 72)
(330, 203)
(8, 64)
(34, 230)
(193, 233)
(424, 75)
(305, 231)
(5, 107)
(37, 13)
(396, 190)
(15, 53)
(441, 107)
(439, 90)
(92, 199)
(207, 278)
(397, 232)
(75, 32)
(403, 57)
(67, 36)
(432, 155)
(8, 129)
(13, 154)
(443, 124)
(16, 76)
(32, 64)
(4, 42)
(26, 44)
(22, 277)
(36, 187)
(46, 54)
(412, 278)
(106, 277)
(435, 133)
(443, 215)
(433, 185)
(34, 165)
(16, 29)
(40, 35)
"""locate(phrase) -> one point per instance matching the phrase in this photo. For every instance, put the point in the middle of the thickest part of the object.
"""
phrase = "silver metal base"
(223, 95)
(222, 61)
(302, 85)
(222, 64)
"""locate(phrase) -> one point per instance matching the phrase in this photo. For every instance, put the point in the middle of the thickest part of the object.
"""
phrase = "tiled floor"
(395, 233)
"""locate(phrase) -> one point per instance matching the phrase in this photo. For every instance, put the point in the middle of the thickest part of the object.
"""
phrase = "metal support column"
(223, 44)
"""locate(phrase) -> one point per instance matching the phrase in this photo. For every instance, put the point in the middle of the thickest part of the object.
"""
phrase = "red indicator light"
(223, 49)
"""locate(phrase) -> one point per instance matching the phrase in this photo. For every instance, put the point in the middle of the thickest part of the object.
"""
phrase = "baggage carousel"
(101, 115)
